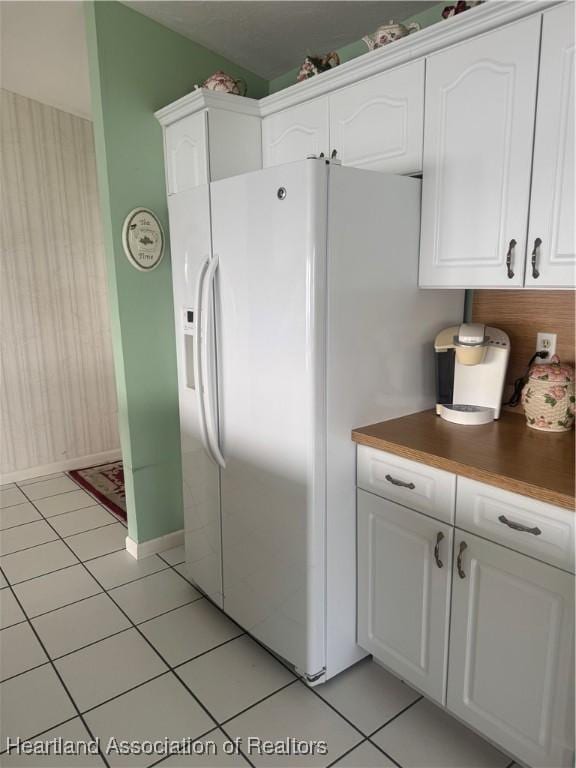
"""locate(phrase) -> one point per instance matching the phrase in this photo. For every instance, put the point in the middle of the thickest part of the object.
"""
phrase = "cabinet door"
(478, 131)
(295, 133)
(403, 593)
(552, 262)
(186, 152)
(378, 123)
(511, 651)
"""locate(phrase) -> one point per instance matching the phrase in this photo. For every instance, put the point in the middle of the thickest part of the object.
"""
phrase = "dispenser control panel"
(188, 319)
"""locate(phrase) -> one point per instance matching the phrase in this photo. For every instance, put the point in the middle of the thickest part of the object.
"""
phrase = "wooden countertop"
(505, 453)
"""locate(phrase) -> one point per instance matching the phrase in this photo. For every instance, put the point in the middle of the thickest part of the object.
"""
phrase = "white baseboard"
(62, 466)
(138, 550)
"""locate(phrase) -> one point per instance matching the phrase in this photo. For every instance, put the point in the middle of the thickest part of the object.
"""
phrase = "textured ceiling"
(270, 37)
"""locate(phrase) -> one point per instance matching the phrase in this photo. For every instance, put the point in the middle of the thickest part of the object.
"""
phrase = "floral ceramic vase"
(315, 65)
(220, 82)
(548, 397)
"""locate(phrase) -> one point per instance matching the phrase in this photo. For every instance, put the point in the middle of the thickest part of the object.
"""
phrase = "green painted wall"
(136, 67)
(358, 48)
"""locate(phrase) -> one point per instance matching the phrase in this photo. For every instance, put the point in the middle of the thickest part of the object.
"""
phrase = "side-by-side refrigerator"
(298, 317)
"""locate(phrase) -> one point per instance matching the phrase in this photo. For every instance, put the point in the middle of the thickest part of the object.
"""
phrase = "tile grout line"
(74, 535)
(42, 518)
(345, 754)
(23, 672)
(390, 720)
(383, 751)
(65, 567)
(63, 493)
(58, 675)
(260, 701)
(79, 509)
(40, 641)
(97, 501)
(41, 733)
(366, 736)
(172, 567)
(198, 738)
(27, 549)
(49, 541)
(155, 650)
(125, 629)
(40, 479)
(74, 565)
(40, 498)
(180, 664)
(39, 575)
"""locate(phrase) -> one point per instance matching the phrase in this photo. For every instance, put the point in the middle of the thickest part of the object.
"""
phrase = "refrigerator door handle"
(208, 366)
(197, 362)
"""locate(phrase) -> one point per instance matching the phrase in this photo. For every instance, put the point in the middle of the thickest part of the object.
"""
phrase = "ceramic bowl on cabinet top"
(387, 33)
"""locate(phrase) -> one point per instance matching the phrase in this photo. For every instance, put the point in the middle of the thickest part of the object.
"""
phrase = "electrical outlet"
(546, 342)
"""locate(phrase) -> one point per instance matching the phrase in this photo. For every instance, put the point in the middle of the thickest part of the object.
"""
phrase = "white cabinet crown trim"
(484, 18)
(201, 99)
(439, 36)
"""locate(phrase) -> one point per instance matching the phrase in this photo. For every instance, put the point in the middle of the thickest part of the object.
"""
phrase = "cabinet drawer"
(410, 483)
(541, 530)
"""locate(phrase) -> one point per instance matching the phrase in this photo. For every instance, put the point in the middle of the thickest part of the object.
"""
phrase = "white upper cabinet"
(551, 239)
(210, 142)
(511, 651)
(404, 571)
(295, 133)
(378, 123)
(478, 136)
(186, 153)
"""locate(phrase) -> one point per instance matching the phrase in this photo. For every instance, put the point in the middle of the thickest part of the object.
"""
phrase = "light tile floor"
(94, 644)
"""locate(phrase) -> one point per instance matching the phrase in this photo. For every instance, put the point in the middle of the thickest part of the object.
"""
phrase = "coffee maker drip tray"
(465, 414)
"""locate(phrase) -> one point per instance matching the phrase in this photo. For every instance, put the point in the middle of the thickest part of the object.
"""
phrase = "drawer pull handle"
(461, 549)
(401, 483)
(519, 527)
(439, 537)
(509, 257)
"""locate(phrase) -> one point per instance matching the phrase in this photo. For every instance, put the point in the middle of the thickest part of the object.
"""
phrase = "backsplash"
(522, 314)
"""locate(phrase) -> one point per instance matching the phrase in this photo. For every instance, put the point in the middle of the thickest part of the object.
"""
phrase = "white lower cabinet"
(511, 673)
(404, 565)
(484, 630)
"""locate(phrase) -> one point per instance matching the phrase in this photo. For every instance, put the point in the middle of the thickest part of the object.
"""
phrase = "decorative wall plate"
(143, 239)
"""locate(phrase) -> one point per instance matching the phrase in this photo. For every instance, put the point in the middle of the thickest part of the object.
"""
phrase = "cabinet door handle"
(535, 254)
(439, 537)
(519, 527)
(333, 155)
(509, 255)
(461, 549)
(401, 483)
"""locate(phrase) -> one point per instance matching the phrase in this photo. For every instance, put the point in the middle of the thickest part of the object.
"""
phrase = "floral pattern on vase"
(548, 397)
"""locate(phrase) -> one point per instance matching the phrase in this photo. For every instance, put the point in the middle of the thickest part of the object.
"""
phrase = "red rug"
(106, 483)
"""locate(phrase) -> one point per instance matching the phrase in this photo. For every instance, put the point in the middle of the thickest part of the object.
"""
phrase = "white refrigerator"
(298, 317)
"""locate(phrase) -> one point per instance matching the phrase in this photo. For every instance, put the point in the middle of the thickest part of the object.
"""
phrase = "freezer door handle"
(208, 363)
(197, 361)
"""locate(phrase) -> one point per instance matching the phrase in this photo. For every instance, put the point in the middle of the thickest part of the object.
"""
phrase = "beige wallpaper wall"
(57, 396)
